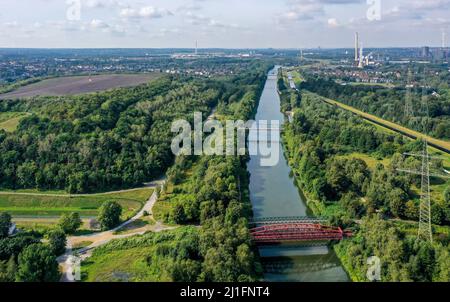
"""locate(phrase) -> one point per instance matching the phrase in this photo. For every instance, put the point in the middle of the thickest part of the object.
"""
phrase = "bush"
(70, 223)
(37, 263)
(58, 241)
(5, 224)
(109, 216)
(447, 194)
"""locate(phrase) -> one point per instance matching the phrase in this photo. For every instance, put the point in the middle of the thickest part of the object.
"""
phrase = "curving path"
(148, 185)
(67, 261)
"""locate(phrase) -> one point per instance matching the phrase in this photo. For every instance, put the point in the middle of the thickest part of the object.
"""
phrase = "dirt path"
(148, 185)
(68, 262)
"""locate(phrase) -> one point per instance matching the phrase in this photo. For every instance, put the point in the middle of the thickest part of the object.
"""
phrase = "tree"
(37, 263)
(447, 194)
(5, 224)
(185, 270)
(351, 202)
(423, 261)
(397, 199)
(234, 212)
(411, 210)
(442, 265)
(8, 270)
(178, 214)
(58, 241)
(245, 259)
(70, 223)
(109, 216)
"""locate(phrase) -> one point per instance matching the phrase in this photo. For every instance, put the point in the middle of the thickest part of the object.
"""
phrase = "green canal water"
(274, 194)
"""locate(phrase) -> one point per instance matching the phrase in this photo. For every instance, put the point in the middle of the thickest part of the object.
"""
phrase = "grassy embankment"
(390, 125)
(43, 209)
(10, 120)
(137, 259)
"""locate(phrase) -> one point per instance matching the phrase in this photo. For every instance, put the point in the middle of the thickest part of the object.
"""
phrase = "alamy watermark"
(73, 268)
(374, 10)
(228, 139)
(73, 12)
(374, 270)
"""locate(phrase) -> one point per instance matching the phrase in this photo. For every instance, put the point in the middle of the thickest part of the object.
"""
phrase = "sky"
(222, 23)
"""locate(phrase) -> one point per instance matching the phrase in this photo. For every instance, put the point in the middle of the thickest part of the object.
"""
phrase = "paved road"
(67, 261)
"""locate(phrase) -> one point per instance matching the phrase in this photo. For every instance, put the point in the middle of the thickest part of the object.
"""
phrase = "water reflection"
(274, 194)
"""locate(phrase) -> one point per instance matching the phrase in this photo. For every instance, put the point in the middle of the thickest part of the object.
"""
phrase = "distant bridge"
(294, 229)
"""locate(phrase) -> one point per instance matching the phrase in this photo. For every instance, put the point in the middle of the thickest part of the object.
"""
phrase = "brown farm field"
(78, 85)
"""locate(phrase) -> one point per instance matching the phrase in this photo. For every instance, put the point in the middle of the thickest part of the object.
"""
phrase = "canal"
(273, 193)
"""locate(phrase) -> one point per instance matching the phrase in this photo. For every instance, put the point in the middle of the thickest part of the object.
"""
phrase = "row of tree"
(212, 191)
(389, 104)
(319, 141)
(327, 135)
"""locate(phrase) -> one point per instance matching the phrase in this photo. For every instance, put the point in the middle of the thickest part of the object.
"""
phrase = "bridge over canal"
(271, 230)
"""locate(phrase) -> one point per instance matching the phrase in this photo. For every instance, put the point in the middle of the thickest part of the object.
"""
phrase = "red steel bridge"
(294, 229)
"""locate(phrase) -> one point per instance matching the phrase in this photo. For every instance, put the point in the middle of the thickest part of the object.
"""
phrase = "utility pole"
(409, 111)
(425, 232)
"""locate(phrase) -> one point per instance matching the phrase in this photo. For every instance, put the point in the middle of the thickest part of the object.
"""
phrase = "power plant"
(360, 60)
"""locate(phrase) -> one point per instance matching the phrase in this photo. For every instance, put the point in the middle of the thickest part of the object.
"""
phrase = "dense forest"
(106, 140)
(389, 104)
(210, 192)
(346, 189)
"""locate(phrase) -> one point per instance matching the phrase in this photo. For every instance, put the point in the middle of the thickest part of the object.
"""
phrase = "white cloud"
(96, 23)
(147, 12)
(12, 24)
(333, 22)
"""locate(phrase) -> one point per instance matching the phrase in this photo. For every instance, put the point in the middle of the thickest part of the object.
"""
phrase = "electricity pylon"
(425, 232)
(409, 111)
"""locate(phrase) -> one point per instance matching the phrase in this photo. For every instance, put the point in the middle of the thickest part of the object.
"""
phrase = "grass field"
(45, 224)
(78, 85)
(439, 143)
(296, 76)
(369, 160)
(36, 207)
(385, 85)
(10, 120)
(128, 265)
(133, 259)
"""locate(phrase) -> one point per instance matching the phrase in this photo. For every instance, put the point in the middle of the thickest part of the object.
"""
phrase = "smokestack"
(196, 47)
(361, 57)
(443, 39)
(356, 47)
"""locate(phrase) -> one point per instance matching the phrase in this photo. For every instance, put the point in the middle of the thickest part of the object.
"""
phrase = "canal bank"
(273, 193)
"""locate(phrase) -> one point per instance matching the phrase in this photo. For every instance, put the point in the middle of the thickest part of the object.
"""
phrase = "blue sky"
(222, 23)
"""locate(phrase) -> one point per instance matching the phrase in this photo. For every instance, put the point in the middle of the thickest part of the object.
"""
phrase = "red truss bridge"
(294, 229)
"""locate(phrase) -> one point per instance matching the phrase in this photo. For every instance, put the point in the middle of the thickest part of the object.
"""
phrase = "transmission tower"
(409, 112)
(425, 232)
(425, 200)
